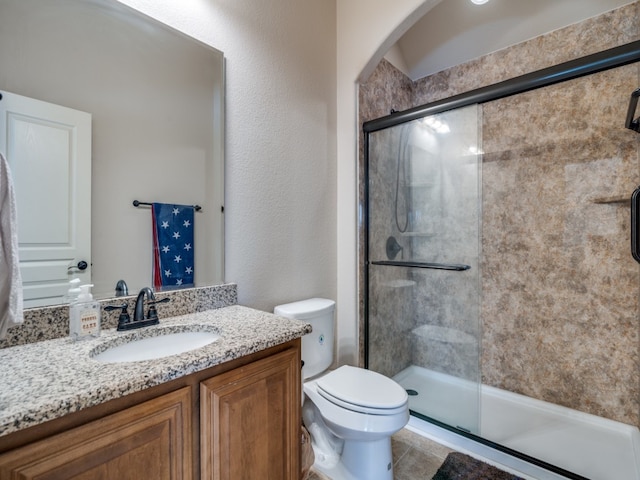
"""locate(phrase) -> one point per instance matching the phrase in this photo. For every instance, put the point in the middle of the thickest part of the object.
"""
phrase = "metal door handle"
(630, 123)
(82, 265)
(635, 223)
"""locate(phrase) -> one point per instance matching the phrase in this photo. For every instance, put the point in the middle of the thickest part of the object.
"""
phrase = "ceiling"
(456, 31)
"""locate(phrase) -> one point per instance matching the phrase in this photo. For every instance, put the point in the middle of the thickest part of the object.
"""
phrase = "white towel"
(10, 279)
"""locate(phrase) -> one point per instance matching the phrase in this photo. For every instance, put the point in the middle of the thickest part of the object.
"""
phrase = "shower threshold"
(589, 446)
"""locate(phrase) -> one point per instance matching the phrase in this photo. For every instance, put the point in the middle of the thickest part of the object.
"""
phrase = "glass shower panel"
(423, 265)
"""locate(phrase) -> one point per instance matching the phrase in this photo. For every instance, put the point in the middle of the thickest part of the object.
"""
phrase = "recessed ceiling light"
(479, 2)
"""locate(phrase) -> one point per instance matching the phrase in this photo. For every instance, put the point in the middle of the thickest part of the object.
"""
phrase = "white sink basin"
(164, 345)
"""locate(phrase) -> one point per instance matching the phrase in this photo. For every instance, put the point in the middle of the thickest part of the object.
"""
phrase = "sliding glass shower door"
(423, 212)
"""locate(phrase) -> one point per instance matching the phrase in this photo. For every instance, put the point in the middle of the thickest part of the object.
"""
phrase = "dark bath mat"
(459, 466)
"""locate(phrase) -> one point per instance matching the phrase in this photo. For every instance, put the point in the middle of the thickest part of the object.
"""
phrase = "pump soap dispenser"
(84, 316)
(74, 291)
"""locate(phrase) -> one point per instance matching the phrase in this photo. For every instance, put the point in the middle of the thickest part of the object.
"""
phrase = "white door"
(48, 148)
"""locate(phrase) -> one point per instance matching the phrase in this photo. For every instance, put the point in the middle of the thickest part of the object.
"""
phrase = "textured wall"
(280, 178)
(559, 288)
(423, 196)
(365, 30)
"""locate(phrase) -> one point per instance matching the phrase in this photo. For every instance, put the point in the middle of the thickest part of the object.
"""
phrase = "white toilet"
(350, 412)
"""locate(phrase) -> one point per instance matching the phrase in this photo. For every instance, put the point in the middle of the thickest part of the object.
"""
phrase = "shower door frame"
(605, 60)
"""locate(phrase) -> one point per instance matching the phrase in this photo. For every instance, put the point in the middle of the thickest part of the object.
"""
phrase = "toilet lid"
(363, 391)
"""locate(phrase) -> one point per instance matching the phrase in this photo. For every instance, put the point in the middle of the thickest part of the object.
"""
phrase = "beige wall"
(280, 140)
(366, 30)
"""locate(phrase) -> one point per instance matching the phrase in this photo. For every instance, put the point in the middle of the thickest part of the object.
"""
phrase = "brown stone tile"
(424, 444)
(417, 465)
(400, 445)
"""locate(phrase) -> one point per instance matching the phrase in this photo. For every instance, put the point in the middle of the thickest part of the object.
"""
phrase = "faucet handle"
(124, 317)
(152, 313)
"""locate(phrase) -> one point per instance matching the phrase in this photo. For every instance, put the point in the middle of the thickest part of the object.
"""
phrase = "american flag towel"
(173, 249)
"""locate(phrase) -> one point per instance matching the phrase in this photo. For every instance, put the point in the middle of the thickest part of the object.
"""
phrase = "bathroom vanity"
(228, 410)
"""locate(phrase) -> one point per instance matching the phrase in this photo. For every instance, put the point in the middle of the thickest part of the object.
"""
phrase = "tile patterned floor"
(414, 457)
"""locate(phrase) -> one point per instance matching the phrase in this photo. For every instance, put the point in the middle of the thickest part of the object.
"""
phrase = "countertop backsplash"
(47, 323)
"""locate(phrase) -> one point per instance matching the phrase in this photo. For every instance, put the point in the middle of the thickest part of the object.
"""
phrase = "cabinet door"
(250, 421)
(151, 440)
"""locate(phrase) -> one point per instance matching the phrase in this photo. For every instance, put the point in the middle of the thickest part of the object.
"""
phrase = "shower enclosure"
(424, 256)
(499, 289)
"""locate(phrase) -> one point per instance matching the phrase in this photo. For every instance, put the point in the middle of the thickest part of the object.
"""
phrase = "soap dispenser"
(73, 292)
(84, 316)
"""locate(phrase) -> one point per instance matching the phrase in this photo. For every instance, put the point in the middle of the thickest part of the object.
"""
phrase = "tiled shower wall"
(423, 197)
(560, 291)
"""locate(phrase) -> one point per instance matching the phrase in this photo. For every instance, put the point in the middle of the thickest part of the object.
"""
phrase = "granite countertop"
(47, 380)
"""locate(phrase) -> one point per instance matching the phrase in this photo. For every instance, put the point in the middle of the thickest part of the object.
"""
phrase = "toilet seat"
(363, 391)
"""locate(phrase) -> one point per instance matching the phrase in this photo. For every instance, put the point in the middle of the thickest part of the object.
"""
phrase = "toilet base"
(362, 461)
(370, 460)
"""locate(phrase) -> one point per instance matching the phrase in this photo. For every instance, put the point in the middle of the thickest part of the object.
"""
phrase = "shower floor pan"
(591, 446)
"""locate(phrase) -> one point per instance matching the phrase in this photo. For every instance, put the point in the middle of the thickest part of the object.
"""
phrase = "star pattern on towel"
(174, 237)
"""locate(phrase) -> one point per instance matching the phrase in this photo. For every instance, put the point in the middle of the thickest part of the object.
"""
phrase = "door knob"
(82, 265)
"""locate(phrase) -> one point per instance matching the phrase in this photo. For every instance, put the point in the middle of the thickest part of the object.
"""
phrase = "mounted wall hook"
(630, 123)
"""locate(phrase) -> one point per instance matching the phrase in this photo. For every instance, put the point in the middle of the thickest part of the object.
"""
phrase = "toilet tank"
(317, 346)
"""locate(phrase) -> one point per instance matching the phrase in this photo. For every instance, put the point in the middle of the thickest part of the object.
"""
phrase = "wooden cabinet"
(250, 421)
(238, 420)
(150, 440)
